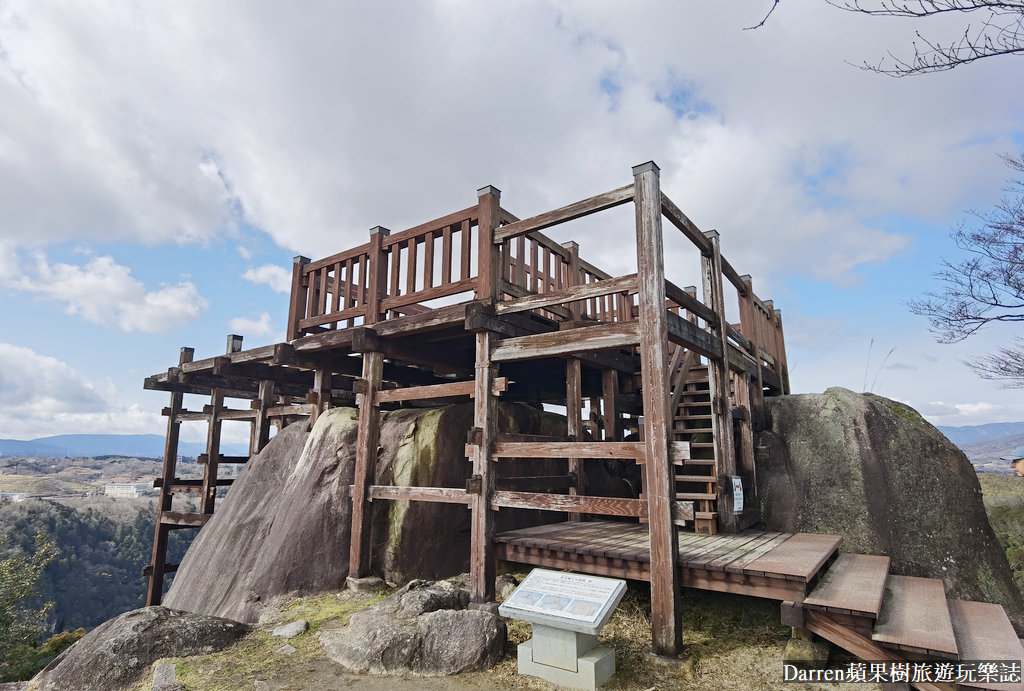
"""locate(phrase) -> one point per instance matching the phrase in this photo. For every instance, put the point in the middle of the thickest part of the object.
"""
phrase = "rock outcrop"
(284, 526)
(118, 653)
(423, 628)
(877, 473)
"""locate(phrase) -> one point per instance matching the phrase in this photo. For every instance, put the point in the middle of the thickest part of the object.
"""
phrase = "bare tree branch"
(1000, 32)
(761, 23)
(987, 285)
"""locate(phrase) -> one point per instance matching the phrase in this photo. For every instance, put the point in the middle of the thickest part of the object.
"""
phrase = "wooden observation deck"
(480, 304)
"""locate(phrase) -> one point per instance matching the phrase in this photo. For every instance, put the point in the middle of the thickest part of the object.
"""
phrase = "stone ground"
(737, 643)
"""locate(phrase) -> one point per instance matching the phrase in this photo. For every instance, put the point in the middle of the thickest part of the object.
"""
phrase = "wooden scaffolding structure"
(480, 304)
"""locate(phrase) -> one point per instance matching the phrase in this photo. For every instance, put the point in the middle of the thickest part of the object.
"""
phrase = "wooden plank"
(853, 584)
(573, 294)
(571, 449)
(422, 393)
(570, 212)
(983, 632)
(426, 294)
(569, 342)
(444, 495)
(769, 542)
(605, 506)
(185, 519)
(801, 556)
(915, 617)
(438, 223)
(555, 560)
(725, 544)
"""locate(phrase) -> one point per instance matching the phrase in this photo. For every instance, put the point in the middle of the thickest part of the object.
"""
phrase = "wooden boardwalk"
(779, 566)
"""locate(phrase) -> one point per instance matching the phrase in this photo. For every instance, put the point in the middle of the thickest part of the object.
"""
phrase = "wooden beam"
(684, 224)
(689, 335)
(689, 302)
(423, 393)
(603, 336)
(184, 519)
(666, 609)
(570, 212)
(540, 483)
(445, 495)
(604, 506)
(574, 424)
(574, 294)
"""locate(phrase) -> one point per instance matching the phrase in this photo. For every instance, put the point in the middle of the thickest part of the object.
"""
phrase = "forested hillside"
(98, 571)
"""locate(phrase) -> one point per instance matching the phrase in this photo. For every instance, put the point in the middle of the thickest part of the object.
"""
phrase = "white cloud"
(174, 122)
(276, 277)
(256, 328)
(105, 292)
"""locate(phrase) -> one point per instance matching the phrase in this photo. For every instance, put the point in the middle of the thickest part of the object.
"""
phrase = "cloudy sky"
(161, 164)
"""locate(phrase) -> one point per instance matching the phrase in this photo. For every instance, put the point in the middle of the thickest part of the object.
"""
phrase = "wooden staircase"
(861, 607)
(697, 476)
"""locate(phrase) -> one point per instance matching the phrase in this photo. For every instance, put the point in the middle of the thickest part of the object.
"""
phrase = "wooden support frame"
(574, 424)
(366, 466)
(718, 377)
(666, 608)
(154, 592)
(485, 412)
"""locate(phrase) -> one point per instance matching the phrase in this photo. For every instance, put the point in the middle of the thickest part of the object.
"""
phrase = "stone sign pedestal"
(567, 611)
(566, 658)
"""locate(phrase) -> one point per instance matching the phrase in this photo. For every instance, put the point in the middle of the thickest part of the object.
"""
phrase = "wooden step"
(696, 461)
(695, 495)
(915, 617)
(854, 584)
(692, 417)
(983, 632)
(696, 478)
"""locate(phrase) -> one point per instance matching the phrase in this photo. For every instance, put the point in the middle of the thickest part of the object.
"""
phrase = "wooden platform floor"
(779, 566)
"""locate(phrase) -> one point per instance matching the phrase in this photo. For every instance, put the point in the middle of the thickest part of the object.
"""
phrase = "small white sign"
(572, 601)
(737, 494)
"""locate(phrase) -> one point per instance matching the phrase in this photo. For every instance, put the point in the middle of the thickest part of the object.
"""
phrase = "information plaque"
(571, 601)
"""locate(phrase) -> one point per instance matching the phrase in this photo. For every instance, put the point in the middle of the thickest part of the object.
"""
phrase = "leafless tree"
(994, 28)
(988, 285)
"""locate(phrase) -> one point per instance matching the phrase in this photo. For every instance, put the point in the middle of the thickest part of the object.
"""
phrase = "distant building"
(127, 489)
(14, 496)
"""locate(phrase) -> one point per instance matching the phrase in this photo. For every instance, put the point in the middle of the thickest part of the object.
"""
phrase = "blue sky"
(160, 165)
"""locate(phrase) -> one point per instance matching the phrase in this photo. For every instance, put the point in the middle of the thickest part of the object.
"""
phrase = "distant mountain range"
(86, 445)
(973, 434)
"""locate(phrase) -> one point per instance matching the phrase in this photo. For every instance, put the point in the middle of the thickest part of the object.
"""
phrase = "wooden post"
(261, 425)
(321, 396)
(209, 490)
(718, 385)
(780, 356)
(378, 274)
(574, 426)
(297, 305)
(366, 465)
(488, 264)
(573, 277)
(610, 389)
(485, 413)
(156, 577)
(666, 610)
(748, 326)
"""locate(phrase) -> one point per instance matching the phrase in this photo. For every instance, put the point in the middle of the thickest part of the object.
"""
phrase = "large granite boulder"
(877, 473)
(118, 652)
(285, 525)
(423, 628)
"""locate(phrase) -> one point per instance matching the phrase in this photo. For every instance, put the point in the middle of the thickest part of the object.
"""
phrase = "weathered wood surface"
(915, 617)
(445, 495)
(983, 632)
(853, 584)
(799, 557)
(605, 506)
(366, 460)
(570, 342)
(574, 294)
(570, 212)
